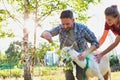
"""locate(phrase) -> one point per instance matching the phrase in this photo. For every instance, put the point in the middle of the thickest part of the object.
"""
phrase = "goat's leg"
(107, 75)
(100, 76)
(98, 73)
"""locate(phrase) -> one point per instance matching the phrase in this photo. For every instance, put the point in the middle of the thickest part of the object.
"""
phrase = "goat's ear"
(73, 45)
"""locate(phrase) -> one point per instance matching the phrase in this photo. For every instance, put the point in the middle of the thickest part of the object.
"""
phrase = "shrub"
(4, 73)
(16, 72)
(114, 60)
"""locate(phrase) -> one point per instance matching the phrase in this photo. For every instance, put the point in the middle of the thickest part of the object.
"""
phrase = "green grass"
(54, 73)
(60, 76)
(115, 75)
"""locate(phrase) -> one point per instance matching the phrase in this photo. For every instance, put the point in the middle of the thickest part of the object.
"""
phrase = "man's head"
(67, 19)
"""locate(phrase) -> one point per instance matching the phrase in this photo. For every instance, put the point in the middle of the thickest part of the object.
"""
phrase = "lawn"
(115, 76)
(60, 76)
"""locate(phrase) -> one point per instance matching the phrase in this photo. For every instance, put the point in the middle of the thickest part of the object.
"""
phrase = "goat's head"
(67, 49)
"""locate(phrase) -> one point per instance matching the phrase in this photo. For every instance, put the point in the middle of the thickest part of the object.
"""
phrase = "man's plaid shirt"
(82, 36)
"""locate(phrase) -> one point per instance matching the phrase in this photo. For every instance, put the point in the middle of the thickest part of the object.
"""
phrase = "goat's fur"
(101, 70)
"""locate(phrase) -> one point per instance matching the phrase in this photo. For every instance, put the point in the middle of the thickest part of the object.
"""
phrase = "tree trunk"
(34, 50)
(27, 74)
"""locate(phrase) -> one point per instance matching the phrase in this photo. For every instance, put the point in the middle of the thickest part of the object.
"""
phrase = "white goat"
(101, 70)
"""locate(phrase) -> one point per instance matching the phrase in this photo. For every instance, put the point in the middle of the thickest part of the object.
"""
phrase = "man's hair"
(66, 14)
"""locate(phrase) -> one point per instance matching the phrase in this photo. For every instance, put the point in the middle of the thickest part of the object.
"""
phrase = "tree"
(26, 8)
(27, 74)
(4, 33)
(14, 51)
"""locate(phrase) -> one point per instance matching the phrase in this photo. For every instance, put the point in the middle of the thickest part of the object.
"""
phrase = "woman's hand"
(98, 57)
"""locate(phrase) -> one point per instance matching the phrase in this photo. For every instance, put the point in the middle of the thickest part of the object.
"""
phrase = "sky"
(95, 23)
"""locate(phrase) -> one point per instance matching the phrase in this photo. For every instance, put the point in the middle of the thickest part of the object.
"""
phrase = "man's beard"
(68, 29)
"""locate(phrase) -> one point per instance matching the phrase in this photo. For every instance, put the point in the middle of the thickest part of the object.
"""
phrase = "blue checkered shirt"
(82, 34)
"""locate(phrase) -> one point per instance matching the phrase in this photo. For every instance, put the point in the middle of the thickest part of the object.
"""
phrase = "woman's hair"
(66, 14)
(112, 11)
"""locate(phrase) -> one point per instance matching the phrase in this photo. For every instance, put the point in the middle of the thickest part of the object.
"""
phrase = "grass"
(53, 73)
(115, 76)
(60, 76)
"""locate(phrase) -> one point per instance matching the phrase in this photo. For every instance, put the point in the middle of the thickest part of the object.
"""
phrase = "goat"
(100, 70)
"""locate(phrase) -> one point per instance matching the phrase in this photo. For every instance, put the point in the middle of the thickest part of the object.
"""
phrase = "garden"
(24, 54)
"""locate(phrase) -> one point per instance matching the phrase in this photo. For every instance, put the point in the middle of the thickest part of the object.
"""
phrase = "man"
(70, 31)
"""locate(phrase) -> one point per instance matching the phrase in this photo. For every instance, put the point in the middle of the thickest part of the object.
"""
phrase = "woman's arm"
(112, 46)
(102, 39)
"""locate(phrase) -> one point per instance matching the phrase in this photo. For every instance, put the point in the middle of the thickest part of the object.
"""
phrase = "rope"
(85, 69)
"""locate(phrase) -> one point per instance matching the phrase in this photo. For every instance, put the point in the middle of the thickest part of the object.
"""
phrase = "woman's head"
(112, 15)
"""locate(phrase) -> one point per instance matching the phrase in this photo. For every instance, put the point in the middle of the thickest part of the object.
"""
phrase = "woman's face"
(111, 20)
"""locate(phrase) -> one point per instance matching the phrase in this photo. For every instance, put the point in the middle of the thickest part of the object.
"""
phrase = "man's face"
(110, 20)
(67, 23)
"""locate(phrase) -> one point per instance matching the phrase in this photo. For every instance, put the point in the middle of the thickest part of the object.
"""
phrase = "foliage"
(4, 73)
(80, 7)
(114, 63)
(14, 51)
(2, 14)
(16, 72)
(41, 50)
(3, 22)
(3, 58)
(45, 9)
(14, 55)
(114, 60)
(47, 70)
(7, 66)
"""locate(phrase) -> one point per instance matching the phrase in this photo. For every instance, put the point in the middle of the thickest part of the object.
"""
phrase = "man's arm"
(90, 37)
(84, 54)
(90, 50)
(49, 34)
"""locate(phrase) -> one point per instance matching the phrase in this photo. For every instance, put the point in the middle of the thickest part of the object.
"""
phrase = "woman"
(112, 23)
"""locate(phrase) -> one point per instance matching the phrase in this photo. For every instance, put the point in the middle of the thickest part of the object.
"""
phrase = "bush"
(4, 73)
(114, 63)
(16, 72)
(114, 60)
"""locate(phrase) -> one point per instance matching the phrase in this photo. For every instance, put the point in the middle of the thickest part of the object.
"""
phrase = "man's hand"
(46, 35)
(82, 56)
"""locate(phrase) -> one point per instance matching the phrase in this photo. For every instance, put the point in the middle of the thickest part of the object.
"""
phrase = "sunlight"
(95, 23)
(30, 25)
